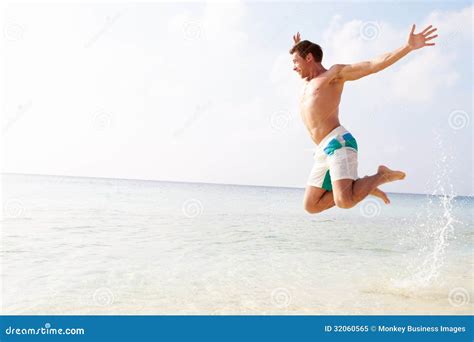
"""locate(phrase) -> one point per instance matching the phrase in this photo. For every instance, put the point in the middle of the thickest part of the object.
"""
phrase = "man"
(333, 179)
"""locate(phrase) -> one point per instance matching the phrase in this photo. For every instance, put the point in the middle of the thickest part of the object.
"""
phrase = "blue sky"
(204, 92)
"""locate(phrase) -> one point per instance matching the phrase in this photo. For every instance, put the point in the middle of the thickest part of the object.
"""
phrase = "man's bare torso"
(320, 105)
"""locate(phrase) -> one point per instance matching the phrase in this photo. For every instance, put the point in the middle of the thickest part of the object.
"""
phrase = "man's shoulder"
(335, 69)
(334, 73)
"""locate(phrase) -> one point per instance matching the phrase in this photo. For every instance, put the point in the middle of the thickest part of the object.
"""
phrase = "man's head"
(305, 55)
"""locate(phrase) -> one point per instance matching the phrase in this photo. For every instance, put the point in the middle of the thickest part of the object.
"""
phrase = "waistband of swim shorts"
(336, 131)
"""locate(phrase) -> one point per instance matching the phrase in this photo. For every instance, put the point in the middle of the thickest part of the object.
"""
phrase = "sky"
(205, 92)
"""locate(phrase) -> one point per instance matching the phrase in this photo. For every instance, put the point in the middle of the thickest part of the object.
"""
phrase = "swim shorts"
(335, 158)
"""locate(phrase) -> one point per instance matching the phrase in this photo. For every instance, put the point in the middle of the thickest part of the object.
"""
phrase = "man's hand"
(296, 38)
(417, 41)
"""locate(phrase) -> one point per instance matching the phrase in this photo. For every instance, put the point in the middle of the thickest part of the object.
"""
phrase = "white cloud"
(423, 78)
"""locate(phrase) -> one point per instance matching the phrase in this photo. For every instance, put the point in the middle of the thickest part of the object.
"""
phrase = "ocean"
(72, 245)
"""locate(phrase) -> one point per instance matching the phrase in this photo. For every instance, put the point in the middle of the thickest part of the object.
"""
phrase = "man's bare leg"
(317, 199)
(348, 193)
(326, 201)
(380, 194)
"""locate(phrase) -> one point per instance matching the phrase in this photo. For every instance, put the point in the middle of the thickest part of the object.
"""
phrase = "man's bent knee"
(345, 203)
(312, 208)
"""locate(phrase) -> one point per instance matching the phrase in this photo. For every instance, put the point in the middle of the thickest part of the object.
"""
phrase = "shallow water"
(104, 246)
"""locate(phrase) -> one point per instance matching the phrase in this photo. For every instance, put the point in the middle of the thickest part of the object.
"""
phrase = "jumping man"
(333, 179)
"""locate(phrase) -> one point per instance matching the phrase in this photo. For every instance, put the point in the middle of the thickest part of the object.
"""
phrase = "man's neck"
(315, 72)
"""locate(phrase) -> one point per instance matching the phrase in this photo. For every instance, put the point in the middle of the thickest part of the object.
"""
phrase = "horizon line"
(207, 183)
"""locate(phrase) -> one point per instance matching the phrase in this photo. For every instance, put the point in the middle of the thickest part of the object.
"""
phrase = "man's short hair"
(305, 46)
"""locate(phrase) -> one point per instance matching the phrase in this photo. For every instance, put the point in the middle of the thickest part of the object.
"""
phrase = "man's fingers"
(429, 32)
(412, 29)
(426, 29)
(296, 38)
(429, 44)
(432, 37)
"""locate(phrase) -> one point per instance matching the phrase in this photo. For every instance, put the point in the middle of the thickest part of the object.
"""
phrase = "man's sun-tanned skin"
(319, 106)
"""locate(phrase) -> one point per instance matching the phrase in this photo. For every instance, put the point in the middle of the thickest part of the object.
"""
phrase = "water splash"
(433, 227)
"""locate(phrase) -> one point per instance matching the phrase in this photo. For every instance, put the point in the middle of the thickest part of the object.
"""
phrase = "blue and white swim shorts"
(335, 158)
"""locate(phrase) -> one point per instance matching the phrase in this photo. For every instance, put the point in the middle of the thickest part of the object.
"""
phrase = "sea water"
(72, 245)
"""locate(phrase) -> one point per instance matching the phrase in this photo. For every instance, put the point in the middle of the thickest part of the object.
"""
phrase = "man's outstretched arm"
(351, 72)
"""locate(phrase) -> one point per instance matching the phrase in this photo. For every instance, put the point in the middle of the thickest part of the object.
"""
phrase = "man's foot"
(380, 194)
(387, 175)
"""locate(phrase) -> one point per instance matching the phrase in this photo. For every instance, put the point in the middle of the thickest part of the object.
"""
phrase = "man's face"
(300, 65)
